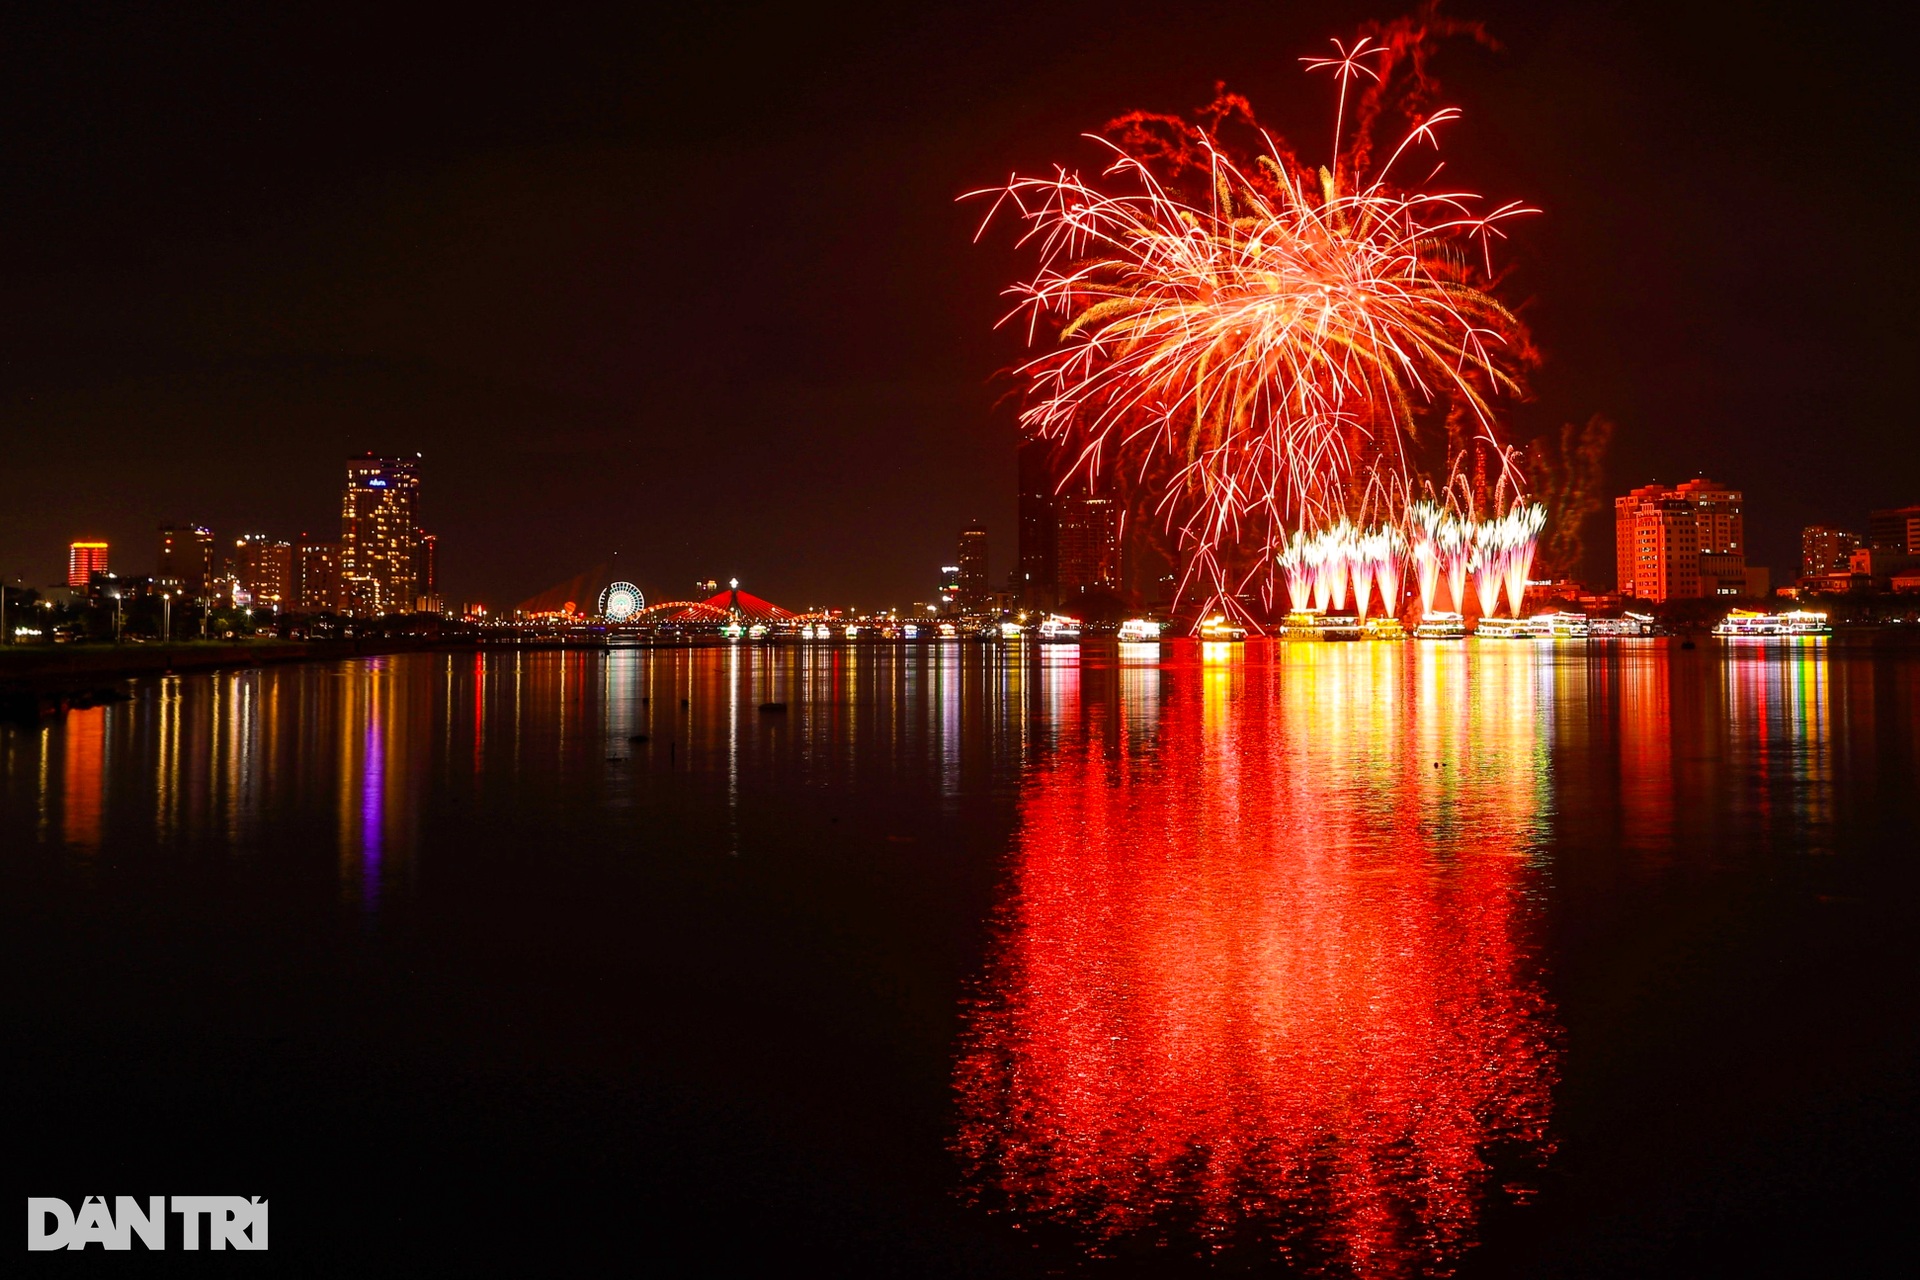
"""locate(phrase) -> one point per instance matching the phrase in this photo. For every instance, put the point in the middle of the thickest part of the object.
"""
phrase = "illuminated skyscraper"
(84, 559)
(1717, 515)
(1896, 529)
(1037, 579)
(1825, 550)
(1088, 539)
(948, 590)
(1656, 545)
(1070, 535)
(972, 591)
(1717, 512)
(428, 573)
(266, 570)
(186, 560)
(317, 575)
(1681, 543)
(379, 536)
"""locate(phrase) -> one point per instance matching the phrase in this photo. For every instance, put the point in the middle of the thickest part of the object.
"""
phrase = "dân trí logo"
(232, 1222)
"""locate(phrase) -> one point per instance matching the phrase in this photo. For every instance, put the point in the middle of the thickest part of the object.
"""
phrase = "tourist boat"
(910, 632)
(1440, 625)
(1218, 629)
(1303, 624)
(1560, 626)
(1055, 629)
(949, 632)
(1627, 626)
(733, 631)
(853, 631)
(1745, 624)
(1385, 628)
(1340, 626)
(1138, 630)
(1541, 626)
(1503, 629)
(758, 631)
(1011, 631)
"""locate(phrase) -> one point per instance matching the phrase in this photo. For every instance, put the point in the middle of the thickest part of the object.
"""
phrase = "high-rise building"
(186, 560)
(1896, 529)
(266, 571)
(427, 573)
(1656, 545)
(1088, 557)
(1718, 512)
(1880, 565)
(972, 591)
(1681, 543)
(316, 585)
(1036, 582)
(379, 536)
(84, 559)
(1824, 549)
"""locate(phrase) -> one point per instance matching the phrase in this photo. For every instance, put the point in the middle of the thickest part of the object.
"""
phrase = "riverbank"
(40, 680)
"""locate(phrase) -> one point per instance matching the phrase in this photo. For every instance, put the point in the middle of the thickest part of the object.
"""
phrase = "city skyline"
(978, 640)
(523, 363)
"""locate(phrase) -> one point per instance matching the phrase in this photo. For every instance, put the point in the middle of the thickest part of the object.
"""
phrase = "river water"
(1330, 959)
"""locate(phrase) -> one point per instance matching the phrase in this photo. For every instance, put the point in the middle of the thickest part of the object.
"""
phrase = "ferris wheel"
(620, 601)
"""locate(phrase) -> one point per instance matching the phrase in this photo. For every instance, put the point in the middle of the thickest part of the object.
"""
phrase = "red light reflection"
(1263, 980)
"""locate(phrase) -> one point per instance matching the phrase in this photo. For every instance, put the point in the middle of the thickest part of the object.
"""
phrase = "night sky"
(693, 286)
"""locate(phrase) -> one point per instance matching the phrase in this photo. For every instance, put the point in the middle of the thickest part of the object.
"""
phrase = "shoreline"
(47, 680)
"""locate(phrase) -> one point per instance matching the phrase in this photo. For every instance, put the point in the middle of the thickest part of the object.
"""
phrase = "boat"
(1139, 630)
(1560, 626)
(1440, 625)
(1303, 624)
(1746, 624)
(1541, 626)
(1626, 626)
(1011, 631)
(1504, 629)
(1056, 629)
(1218, 629)
(1385, 628)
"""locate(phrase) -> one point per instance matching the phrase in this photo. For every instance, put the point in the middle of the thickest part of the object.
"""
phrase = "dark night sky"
(695, 287)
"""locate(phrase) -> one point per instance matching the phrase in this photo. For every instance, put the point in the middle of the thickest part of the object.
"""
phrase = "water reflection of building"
(1777, 700)
(1266, 981)
(83, 777)
(1646, 748)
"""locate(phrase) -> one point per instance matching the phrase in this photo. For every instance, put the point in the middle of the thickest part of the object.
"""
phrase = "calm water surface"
(1348, 959)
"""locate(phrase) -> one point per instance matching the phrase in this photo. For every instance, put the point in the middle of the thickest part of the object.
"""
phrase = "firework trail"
(1252, 346)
